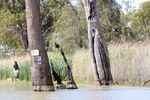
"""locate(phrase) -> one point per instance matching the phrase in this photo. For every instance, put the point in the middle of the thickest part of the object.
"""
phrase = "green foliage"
(59, 64)
(65, 24)
(6, 69)
(70, 29)
(8, 21)
(25, 70)
(109, 13)
(141, 20)
(4, 72)
(135, 23)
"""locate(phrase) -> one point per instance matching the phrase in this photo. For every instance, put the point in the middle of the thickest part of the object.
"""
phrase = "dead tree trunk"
(40, 70)
(97, 45)
(71, 84)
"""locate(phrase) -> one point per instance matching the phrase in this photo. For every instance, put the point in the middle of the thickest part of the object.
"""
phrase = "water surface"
(23, 91)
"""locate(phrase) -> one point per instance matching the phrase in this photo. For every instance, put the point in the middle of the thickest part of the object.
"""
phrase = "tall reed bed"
(82, 69)
(130, 63)
(6, 66)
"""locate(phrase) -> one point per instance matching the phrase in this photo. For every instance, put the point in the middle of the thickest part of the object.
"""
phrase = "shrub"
(25, 70)
(4, 72)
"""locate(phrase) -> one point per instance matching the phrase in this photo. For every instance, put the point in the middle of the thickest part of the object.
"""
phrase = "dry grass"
(9, 61)
(130, 63)
(81, 66)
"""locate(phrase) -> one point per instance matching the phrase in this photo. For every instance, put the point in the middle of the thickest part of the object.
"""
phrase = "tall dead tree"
(41, 76)
(71, 84)
(97, 45)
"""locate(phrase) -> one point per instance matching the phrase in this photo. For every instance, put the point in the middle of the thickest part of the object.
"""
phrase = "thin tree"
(97, 45)
(71, 84)
(41, 76)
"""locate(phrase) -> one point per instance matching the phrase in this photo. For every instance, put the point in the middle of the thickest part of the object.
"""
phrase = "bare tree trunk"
(41, 76)
(97, 45)
(71, 84)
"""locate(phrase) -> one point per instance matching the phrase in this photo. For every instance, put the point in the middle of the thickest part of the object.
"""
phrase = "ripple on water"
(23, 91)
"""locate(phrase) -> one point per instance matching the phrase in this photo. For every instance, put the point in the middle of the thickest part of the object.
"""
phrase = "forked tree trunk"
(97, 45)
(41, 76)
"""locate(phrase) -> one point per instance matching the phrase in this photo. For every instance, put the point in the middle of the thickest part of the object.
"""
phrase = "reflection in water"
(23, 91)
(15, 85)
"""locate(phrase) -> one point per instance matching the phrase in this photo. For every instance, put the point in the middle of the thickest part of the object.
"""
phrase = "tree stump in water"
(71, 84)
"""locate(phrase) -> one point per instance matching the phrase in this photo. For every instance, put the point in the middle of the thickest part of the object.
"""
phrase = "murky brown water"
(23, 91)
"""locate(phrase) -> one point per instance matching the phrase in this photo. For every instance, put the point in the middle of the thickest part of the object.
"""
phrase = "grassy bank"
(130, 63)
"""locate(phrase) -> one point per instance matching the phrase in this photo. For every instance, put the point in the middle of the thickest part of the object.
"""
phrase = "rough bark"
(71, 84)
(41, 76)
(98, 48)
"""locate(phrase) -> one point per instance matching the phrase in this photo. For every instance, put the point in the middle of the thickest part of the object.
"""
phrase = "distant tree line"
(65, 23)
